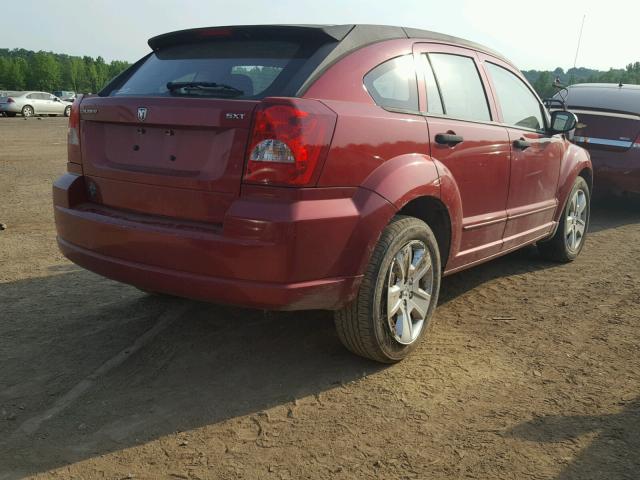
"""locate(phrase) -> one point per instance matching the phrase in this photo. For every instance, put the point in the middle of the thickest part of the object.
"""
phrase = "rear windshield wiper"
(205, 87)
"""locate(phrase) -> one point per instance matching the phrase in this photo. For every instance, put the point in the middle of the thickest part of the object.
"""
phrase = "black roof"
(361, 34)
(605, 97)
(344, 39)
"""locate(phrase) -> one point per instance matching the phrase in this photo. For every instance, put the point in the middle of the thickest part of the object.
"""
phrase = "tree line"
(542, 80)
(22, 69)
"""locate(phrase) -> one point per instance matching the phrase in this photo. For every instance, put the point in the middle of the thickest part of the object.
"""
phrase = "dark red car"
(318, 167)
(609, 129)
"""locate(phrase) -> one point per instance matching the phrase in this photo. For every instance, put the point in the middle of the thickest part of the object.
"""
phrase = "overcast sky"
(539, 34)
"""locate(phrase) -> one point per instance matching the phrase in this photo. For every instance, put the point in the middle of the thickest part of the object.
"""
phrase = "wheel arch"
(587, 174)
(575, 163)
(420, 186)
(433, 212)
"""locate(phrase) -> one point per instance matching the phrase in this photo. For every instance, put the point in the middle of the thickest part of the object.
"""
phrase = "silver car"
(29, 104)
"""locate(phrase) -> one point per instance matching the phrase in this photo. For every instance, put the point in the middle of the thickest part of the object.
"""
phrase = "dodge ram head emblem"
(142, 113)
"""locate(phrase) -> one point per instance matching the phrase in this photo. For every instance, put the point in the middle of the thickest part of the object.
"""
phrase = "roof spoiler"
(325, 33)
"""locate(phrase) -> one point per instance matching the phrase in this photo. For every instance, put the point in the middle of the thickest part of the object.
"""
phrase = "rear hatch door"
(152, 154)
(610, 131)
(168, 137)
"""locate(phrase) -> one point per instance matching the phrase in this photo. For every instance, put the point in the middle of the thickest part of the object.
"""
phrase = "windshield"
(222, 68)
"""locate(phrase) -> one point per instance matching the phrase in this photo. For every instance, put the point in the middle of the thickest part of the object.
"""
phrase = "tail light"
(73, 133)
(289, 141)
(10, 100)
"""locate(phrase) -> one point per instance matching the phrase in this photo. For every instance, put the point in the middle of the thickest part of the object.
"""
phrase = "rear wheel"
(397, 296)
(27, 111)
(571, 234)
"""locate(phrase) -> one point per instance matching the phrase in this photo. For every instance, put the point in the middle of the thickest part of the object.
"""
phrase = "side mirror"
(563, 121)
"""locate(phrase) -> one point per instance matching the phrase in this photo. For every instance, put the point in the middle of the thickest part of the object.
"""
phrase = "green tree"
(44, 72)
(544, 85)
(22, 69)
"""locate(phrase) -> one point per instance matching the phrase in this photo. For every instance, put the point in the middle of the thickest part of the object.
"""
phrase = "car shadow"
(611, 455)
(613, 212)
(521, 261)
(212, 364)
(605, 215)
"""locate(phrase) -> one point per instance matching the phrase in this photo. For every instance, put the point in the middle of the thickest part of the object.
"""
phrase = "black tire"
(28, 111)
(559, 248)
(362, 327)
(67, 111)
(10, 114)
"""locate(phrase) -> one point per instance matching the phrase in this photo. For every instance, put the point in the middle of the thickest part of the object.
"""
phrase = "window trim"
(435, 79)
(542, 108)
(492, 123)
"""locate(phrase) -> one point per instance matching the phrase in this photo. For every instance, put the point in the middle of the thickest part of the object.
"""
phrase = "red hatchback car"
(318, 167)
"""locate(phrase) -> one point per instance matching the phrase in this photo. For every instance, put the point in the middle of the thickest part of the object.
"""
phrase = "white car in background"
(32, 103)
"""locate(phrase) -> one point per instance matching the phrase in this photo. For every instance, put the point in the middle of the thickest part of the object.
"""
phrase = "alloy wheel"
(576, 221)
(409, 291)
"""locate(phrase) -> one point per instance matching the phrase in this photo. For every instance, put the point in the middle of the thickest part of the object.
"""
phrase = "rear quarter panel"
(381, 151)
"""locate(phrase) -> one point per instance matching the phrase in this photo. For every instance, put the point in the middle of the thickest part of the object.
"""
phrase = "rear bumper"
(285, 253)
(10, 108)
(320, 294)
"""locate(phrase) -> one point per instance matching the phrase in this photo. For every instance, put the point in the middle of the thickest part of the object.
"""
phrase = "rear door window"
(223, 68)
(463, 95)
(393, 84)
(520, 107)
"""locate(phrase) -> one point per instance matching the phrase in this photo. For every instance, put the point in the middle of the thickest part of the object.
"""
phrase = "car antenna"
(575, 59)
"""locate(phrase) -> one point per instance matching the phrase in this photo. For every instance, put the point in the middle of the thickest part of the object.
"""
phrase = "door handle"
(521, 144)
(448, 139)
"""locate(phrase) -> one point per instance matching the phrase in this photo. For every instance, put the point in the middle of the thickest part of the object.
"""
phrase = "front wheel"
(571, 234)
(397, 296)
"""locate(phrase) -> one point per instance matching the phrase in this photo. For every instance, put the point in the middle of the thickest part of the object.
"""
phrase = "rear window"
(224, 68)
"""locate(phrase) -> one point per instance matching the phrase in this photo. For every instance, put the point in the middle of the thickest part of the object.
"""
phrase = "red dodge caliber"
(339, 167)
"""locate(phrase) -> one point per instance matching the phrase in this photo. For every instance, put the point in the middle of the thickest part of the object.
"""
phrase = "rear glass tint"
(460, 86)
(393, 84)
(253, 69)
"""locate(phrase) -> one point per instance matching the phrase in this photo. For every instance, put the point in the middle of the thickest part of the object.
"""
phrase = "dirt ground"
(531, 369)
